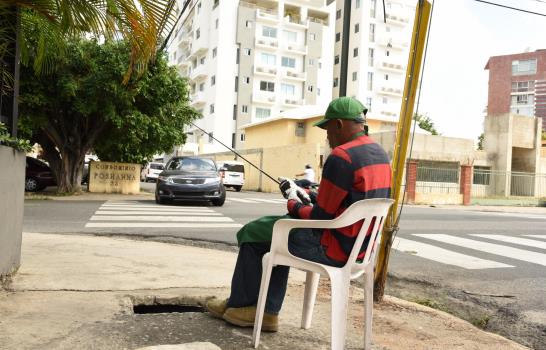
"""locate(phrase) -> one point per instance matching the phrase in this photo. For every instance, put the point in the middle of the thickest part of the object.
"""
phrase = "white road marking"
(515, 215)
(161, 218)
(166, 209)
(536, 236)
(241, 200)
(160, 224)
(509, 252)
(515, 240)
(276, 201)
(444, 256)
(151, 212)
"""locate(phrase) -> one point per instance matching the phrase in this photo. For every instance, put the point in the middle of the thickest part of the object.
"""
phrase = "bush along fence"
(458, 184)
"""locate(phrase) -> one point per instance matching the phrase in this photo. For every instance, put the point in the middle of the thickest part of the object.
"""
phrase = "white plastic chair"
(340, 277)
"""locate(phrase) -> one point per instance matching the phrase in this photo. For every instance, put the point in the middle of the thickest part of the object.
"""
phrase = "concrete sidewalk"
(78, 292)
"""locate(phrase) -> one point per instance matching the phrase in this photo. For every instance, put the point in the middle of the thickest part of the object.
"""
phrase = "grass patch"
(481, 322)
(431, 303)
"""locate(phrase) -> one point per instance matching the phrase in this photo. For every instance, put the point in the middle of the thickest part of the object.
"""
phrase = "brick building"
(517, 84)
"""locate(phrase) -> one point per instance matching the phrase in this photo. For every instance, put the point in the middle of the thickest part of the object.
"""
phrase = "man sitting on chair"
(357, 168)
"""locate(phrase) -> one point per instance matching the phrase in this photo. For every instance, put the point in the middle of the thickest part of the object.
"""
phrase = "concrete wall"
(276, 161)
(109, 177)
(12, 195)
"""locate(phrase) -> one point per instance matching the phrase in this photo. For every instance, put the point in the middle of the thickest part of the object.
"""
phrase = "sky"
(463, 35)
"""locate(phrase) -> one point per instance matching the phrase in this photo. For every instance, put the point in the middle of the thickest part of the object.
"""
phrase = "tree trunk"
(69, 177)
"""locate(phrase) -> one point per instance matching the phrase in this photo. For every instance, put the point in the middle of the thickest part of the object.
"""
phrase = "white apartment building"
(378, 55)
(250, 60)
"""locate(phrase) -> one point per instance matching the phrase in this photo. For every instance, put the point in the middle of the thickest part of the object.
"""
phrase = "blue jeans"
(245, 284)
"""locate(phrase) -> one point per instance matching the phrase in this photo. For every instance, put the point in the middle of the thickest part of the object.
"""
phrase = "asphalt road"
(496, 259)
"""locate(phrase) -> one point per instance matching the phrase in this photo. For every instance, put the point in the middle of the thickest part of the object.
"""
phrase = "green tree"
(480, 141)
(84, 105)
(425, 123)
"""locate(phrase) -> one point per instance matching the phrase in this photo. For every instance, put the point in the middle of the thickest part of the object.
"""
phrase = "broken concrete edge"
(6, 279)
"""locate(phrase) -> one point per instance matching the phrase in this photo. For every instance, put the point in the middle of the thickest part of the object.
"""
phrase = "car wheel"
(159, 200)
(238, 188)
(218, 202)
(31, 185)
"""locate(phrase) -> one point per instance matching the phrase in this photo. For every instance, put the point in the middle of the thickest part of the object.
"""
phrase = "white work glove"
(290, 190)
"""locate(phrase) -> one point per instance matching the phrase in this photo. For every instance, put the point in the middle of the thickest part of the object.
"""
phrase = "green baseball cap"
(343, 108)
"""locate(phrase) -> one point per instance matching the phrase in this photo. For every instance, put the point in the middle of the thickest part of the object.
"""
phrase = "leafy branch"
(7, 140)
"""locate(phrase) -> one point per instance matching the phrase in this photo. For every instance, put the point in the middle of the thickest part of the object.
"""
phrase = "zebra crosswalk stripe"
(496, 249)
(241, 200)
(160, 218)
(515, 240)
(161, 225)
(444, 256)
(152, 212)
(536, 236)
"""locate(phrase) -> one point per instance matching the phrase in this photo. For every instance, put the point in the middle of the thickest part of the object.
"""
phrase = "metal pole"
(16, 74)
(345, 48)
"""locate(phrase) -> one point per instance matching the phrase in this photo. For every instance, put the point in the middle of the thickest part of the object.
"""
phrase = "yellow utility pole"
(413, 73)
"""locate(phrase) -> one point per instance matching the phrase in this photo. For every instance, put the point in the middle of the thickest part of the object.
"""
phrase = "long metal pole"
(413, 72)
(345, 48)
(238, 154)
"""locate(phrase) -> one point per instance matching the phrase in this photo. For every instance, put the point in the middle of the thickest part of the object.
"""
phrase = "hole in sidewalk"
(165, 309)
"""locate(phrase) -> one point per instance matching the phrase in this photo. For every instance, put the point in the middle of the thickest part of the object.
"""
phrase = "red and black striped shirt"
(356, 170)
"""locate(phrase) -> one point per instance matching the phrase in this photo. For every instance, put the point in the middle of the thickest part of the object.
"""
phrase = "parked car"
(190, 178)
(232, 173)
(150, 171)
(85, 174)
(38, 175)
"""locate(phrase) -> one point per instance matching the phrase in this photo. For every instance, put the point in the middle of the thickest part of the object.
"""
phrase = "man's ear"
(339, 123)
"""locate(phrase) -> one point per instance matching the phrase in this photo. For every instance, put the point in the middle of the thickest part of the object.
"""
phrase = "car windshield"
(191, 164)
(237, 168)
(156, 166)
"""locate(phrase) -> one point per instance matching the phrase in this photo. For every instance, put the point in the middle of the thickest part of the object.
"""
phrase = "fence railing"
(437, 180)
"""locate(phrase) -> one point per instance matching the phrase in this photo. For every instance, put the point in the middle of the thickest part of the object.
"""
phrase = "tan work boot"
(244, 317)
(216, 307)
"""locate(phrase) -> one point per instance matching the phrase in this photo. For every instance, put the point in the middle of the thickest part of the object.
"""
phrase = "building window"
(202, 60)
(318, 92)
(291, 36)
(338, 37)
(387, 53)
(523, 67)
(370, 57)
(355, 76)
(288, 89)
(246, 51)
(211, 137)
(248, 24)
(312, 36)
(198, 7)
(268, 59)
(386, 77)
(214, 52)
(523, 86)
(357, 28)
(216, 23)
(311, 61)
(213, 80)
(336, 82)
(263, 112)
(216, 3)
(243, 138)
(310, 88)
(385, 101)
(233, 138)
(202, 87)
(370, 81)
(269, 32)
(357, 3)
(267, 86)
(338, 14)
(197, 33)
(300, 129)
(288, 62)
(247, 80)
(372, 32)
(523, 99)
(336, 59)
(211, 107)
(238, 54)
(369, 103)
(355, 52)
(236, 84)
(244, 109)
(234, 112)
(373, 6)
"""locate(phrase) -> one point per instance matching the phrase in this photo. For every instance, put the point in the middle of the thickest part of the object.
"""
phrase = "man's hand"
(291, 191)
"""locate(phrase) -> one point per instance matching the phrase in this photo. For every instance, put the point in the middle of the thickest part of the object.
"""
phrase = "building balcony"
(264, 98)
(295, 22)
(267, 15)
(198, 73)
(198, 99)
(266, 43)
(390, 91)
(292, 48)
(299, 76)
(184, 42)
(392, 42)
(182, 61)
(292, 102)
(266, 71)
(398, 19)
(390, 66)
